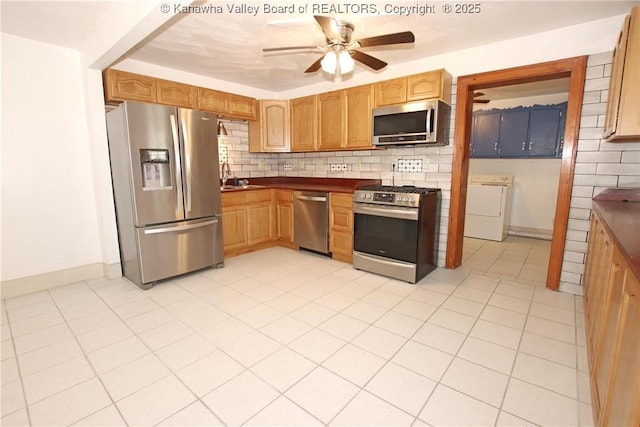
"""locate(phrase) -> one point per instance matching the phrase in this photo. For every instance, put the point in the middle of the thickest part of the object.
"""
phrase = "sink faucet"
(226, 173)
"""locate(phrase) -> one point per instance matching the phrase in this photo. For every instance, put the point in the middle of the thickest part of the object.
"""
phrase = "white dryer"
(488, 207)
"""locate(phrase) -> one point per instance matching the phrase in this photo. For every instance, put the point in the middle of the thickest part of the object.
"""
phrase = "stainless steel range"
(396, 231)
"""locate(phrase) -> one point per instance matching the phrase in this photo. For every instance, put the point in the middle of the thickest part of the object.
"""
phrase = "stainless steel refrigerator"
(164, 168)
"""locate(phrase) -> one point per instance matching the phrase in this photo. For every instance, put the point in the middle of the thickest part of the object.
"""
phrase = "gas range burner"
(409, 189)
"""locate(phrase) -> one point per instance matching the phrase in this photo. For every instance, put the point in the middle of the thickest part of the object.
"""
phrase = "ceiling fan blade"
(278, 49)
(315, 66)
(368, 60)
(395, 38)
(478, 94)
(329, 26)
(481, 101)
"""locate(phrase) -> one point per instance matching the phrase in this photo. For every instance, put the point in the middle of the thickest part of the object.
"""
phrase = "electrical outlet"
(288, 167)
(223, 155)
(338, 167)
(409, 165)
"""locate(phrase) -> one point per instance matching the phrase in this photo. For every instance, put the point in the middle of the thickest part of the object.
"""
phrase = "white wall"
(535, 189)
(49, 219)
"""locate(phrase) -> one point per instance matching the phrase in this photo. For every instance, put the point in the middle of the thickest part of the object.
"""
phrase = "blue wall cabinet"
(485, 134)
(522, 132)
(513, 133)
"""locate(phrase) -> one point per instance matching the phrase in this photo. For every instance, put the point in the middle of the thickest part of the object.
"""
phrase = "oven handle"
(411, 215)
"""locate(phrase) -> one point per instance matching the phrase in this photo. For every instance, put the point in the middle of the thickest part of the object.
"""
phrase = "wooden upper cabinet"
(424, 86)
(304, 122)
(177, 94)
(270, 133)
(622, 120)
(213, 100)
(241, 106)
(391, 92)
(431, 85)
(331, 120)
(359, 106)
(122, 86)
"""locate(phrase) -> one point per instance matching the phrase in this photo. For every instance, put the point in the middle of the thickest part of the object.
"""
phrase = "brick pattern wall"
(599, 165)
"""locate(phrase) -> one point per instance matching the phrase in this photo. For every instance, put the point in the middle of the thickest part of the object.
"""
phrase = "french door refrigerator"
(164, 169)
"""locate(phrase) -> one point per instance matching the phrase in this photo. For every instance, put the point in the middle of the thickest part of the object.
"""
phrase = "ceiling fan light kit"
(337, 63)
(341, 52)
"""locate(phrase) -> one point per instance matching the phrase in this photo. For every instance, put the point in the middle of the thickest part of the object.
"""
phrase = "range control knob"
(362, 196)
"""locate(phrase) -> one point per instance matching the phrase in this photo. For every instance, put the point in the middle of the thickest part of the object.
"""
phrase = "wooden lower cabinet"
(234, 227)
(248, 221)
(341, 226)
(612, 315)
(284, 216)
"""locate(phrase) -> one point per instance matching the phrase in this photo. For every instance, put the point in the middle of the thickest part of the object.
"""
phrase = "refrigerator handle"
(180, 228)
(176, 148)
(187, 166)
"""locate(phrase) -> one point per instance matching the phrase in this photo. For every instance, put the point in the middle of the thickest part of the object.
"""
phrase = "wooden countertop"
(619, 209)
(333, 185)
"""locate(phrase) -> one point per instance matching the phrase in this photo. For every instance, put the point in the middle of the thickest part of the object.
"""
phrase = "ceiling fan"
(480, 101)
(341, 51)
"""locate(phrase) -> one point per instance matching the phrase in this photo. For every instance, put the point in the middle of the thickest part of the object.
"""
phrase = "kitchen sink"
(240, 187)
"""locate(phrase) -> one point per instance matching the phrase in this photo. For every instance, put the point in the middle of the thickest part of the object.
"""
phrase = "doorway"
(574, 69)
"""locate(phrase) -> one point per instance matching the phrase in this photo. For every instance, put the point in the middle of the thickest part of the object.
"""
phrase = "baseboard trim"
(535, 233)
(40, 282)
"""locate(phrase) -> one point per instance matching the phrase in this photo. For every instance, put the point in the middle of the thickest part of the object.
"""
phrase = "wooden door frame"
(575, 69)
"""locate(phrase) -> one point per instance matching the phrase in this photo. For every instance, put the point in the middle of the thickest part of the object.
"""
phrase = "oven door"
(386, 231)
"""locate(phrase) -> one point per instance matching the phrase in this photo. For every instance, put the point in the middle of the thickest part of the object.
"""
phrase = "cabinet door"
(359, 106)
(513, 133)
(176, 94)
(424, 86)
(391, 92)
(486, 132)
(234, 227)
(122, 86)
(261, 222)
(304, 123)
(284, 215)
(544, 126)
(605, 346)
(241, 106)
(615, 85)
(213, 100)
(623, 407)
(331, 120)
(273, 126)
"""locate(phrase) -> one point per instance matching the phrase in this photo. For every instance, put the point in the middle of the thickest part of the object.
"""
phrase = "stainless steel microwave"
(422, 122)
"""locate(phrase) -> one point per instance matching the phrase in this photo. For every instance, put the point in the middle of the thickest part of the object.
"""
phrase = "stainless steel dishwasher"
(311, 220)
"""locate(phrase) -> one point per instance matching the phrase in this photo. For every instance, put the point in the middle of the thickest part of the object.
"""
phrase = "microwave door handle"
(429, 127)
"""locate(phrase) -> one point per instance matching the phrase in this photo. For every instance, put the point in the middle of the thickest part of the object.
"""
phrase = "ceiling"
(228, 45)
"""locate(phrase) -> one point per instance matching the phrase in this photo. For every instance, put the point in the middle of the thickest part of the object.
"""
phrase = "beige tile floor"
(280, 337)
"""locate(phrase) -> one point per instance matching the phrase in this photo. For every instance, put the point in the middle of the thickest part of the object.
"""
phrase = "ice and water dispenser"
(156, 169)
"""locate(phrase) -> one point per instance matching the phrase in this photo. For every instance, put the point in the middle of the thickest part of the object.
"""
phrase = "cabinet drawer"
(284, 195)
(339, 199)
(258, 196)
(233, 199)
(341, 219)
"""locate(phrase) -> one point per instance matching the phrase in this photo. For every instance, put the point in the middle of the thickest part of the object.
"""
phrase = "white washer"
(488, 207)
